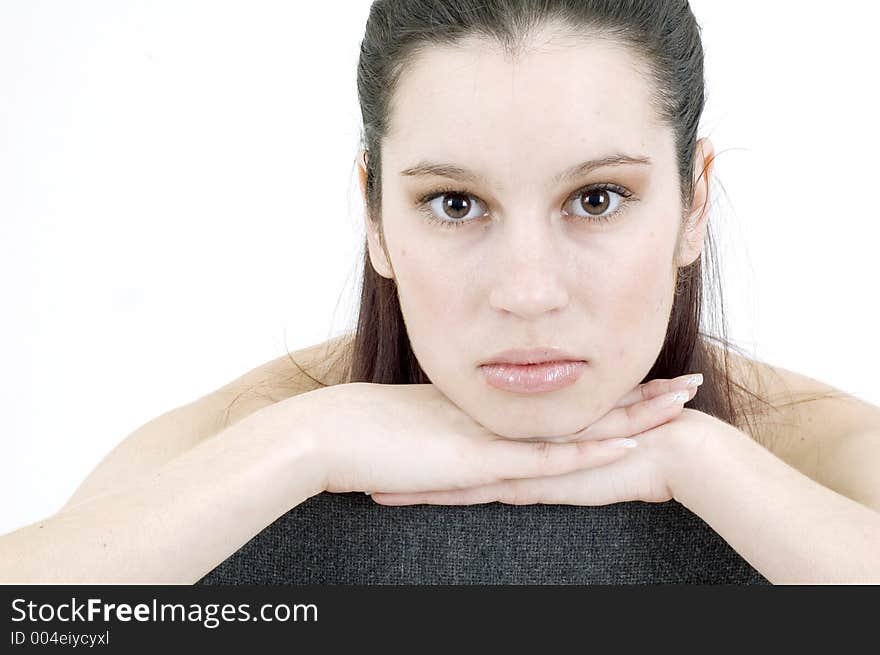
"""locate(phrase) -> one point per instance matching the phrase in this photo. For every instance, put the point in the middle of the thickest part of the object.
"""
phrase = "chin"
(536, 428)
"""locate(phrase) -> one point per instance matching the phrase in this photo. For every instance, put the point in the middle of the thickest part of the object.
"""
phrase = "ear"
(696, 224)
(375, 241)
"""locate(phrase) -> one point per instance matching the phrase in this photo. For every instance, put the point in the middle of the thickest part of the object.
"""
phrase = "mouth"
(535, 377)
(536, 355)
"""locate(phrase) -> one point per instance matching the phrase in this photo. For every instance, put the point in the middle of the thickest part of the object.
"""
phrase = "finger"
(511, 459)
(654, 388)
(599, 486)
(474, 496)
(634, 419)
(597, 430)
(526, 491)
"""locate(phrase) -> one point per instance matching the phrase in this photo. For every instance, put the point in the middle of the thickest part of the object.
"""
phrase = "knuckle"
(543, 449)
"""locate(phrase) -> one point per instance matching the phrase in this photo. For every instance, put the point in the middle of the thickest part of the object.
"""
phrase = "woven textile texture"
(349, 539)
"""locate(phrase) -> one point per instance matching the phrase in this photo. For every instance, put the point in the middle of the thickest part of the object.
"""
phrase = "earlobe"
(377, 252)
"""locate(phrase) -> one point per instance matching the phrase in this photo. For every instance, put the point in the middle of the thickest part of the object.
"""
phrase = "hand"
(642, 475)
(412, 438)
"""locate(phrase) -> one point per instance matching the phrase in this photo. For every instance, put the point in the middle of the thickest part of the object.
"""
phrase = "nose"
(529, 270)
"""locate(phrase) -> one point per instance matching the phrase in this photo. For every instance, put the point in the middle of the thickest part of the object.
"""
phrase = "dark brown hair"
(664, 37)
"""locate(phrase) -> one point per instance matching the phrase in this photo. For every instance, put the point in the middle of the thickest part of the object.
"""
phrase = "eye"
(453, 208)
(450, 207)
(600, 202)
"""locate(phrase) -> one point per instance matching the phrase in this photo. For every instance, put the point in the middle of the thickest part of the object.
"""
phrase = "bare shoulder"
(183, 427)
(324, 364)
(807, 417)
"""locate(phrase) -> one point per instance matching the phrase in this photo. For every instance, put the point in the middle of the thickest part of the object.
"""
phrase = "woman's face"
(530, 261)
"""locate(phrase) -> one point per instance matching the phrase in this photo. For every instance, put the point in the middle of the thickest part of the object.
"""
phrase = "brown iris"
(456, 205)
(595, 200)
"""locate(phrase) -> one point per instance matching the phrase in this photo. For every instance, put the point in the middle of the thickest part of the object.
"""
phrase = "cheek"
(436, 303)
(428, 290)
(635, 303)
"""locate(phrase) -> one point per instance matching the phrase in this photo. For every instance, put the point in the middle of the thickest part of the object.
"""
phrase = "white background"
(179, 203)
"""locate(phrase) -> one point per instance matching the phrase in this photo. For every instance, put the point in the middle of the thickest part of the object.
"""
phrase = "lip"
(532, 356)
(533, 378)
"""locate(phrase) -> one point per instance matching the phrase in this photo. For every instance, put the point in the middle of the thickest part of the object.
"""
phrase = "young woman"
(536, 210)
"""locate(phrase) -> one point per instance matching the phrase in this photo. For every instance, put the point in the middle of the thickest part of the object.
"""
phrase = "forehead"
(558, 100)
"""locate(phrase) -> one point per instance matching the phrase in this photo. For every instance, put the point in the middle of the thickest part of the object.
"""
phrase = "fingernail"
(695, 380)
(672, 398)
(622, 442)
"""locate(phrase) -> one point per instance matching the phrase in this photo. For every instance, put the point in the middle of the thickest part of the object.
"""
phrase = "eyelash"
(422, 204)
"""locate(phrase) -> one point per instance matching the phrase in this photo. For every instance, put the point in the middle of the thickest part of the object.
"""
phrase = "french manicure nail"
(695, 380)
(672, 398)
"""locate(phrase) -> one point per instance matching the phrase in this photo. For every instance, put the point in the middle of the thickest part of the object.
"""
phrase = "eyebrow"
(452, 171)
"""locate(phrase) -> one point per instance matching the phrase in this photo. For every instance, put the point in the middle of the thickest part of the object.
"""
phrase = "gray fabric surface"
(349, 539)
